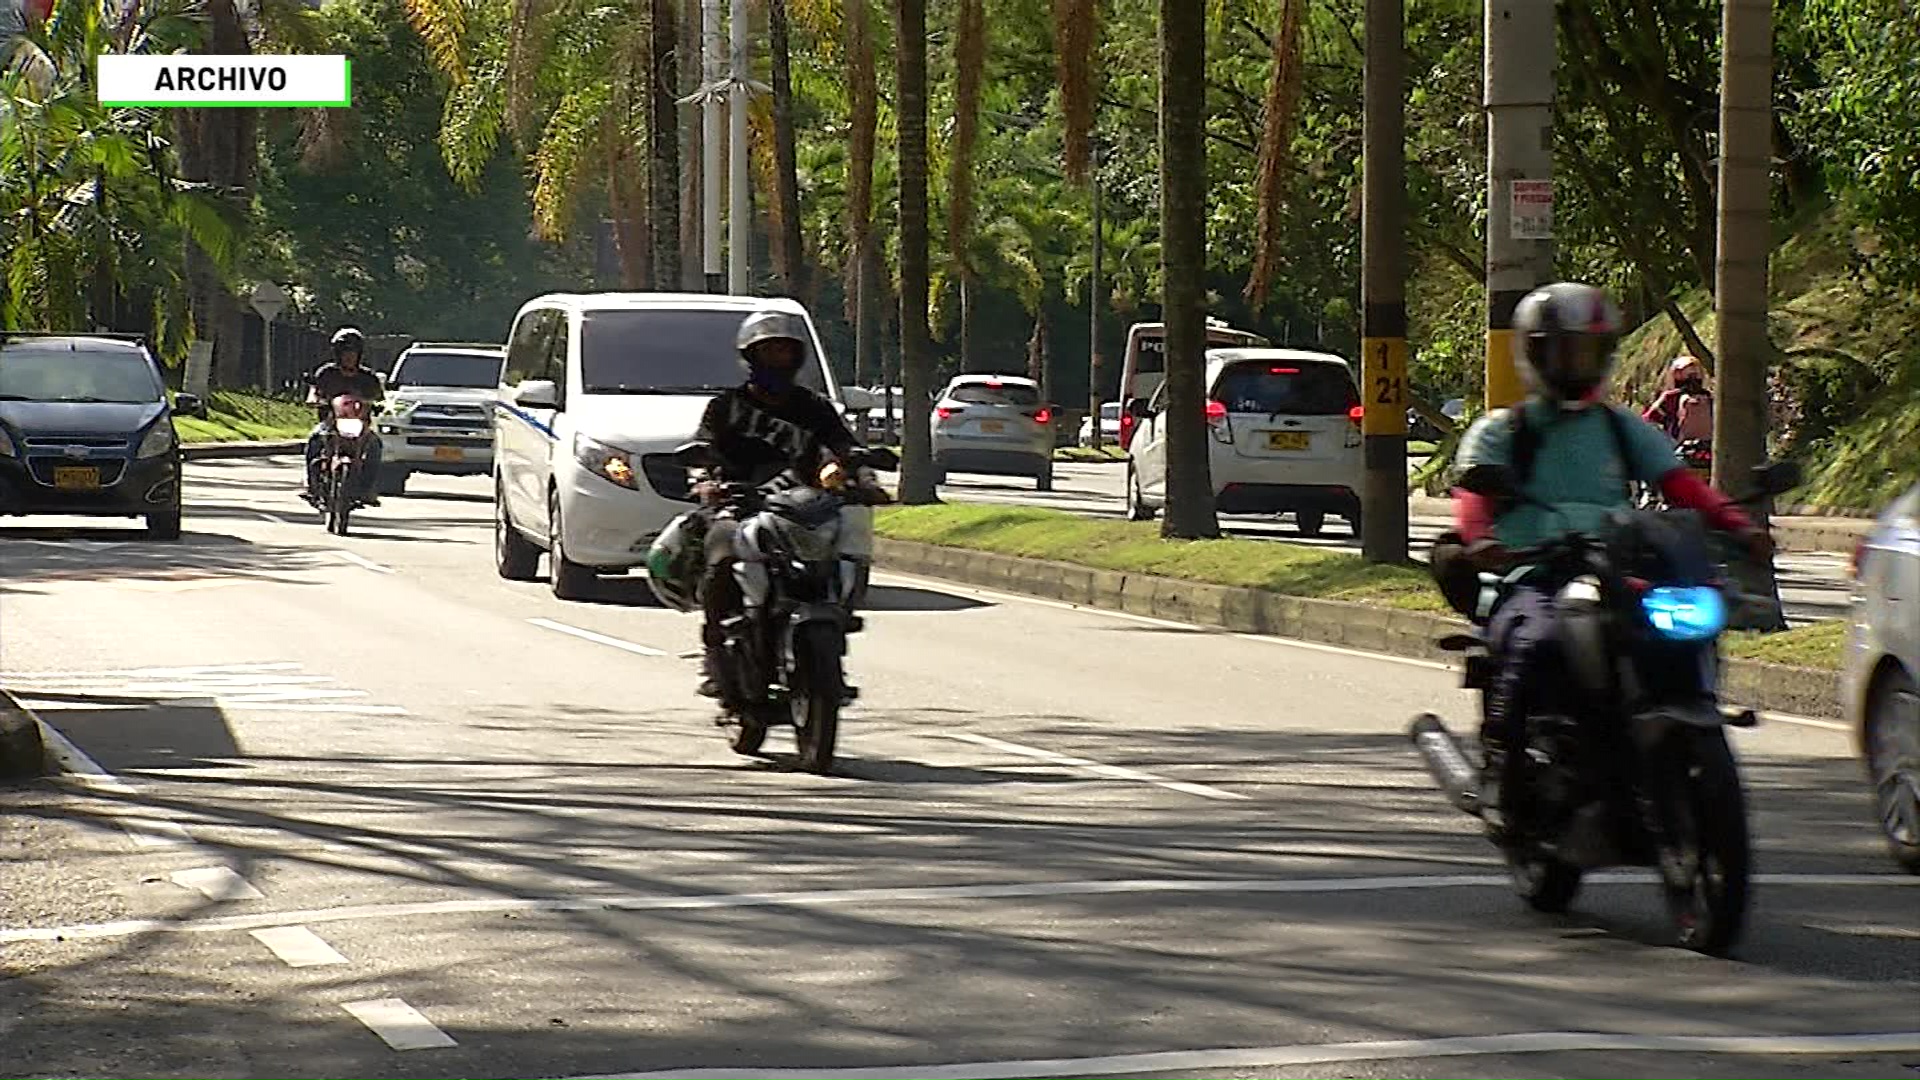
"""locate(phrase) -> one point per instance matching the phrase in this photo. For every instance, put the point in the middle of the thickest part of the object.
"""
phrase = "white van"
(598, 390)
(1144, 367)
(1283, 435)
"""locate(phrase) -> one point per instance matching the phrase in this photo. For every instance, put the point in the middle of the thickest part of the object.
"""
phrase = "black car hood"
(78, 417)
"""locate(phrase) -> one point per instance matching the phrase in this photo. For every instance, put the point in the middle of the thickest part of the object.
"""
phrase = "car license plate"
(1289, 440)
(76, 477)
(446, 453)
(993, 427)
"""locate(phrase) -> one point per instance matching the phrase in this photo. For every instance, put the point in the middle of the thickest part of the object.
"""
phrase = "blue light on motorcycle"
(1685, 613)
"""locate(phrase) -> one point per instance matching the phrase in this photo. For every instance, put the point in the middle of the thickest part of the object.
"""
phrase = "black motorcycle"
(783, 660)
(1624, 759)
(337, 473)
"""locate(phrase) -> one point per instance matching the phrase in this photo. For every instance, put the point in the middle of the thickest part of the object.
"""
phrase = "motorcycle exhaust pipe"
(1448, 763)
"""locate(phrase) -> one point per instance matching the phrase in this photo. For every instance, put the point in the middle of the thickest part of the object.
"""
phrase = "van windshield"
(1288, 387)
(101, 374)
(667, 351)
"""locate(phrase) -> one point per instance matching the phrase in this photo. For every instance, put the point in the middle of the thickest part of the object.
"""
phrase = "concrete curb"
(23, 754)
(1832, 535)
(218, 450)
(1767, 687)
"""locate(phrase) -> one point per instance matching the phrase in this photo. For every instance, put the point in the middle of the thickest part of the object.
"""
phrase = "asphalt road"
(366, 810)
(1813, 585)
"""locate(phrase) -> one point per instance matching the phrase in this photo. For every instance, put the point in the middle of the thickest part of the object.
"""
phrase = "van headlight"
(610, 463)
(159, 440)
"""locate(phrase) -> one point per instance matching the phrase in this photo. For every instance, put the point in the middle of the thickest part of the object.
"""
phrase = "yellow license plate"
(76, 477)
(993, 427)
(1289, 440)
(446, 453)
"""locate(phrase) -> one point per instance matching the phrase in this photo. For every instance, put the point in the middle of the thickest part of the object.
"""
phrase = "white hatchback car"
(994, 424)
(1284, 435)
(600, 389)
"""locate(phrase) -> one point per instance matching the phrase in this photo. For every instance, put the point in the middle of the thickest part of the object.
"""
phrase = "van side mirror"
(537, 394)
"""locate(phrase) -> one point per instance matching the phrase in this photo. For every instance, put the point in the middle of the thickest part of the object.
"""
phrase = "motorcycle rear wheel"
(1704, 848)
(1544, 882)
(819, 686)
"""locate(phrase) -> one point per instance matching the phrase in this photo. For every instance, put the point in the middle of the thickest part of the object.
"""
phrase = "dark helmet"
(770, 325)
(1564, 337)
(347, 339)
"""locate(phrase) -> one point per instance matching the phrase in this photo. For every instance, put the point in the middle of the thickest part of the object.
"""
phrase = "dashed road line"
(904, 895)
(364, 563)
(1114, 772)
(298, 946)
(589, 635)
(399, 1024)
(216, 883)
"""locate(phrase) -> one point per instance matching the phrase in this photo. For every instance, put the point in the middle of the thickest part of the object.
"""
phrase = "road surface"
(1813, 585)
(366, 810)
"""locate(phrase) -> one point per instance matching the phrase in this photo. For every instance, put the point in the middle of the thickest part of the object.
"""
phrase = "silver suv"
(438, 416)
(1880, 685)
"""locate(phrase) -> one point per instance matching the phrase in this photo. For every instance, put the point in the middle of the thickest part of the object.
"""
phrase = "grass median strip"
(240, 417)
(1136, 547)
(1288, 569)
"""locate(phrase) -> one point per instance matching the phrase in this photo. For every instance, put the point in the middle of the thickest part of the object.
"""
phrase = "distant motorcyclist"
(768, 431)
(343, 375)
(1684, 409)
(1571, 456)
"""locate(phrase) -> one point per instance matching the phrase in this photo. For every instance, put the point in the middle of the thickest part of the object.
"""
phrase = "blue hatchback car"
(85, 428)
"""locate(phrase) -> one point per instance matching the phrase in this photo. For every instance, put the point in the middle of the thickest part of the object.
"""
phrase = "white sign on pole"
(1530, 209)
(268, 300)
(199, 368)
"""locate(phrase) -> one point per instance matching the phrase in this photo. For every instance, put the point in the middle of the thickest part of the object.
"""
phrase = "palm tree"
(970, 59)
(1183, 233)
(663, 165)
(789, 253)
(1280, 117)
(910, 54)
(863, 95)
(1076, 23)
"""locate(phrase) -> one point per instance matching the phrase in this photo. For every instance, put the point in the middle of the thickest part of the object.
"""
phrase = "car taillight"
(1283, 371)
(945, 413)
(1126, 430)
(1357, 413)
(1859, 556)
(1216, 412)
(1043, 416)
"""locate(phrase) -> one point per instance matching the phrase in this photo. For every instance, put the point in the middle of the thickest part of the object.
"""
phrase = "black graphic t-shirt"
(757, 439)
(332, 380)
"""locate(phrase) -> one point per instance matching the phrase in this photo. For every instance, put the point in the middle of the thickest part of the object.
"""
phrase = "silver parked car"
(1880, 686)
(994, 424)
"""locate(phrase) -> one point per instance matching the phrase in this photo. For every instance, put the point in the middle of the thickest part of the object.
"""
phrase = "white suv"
(603, 388)
(994, 424)
(438, 415)
(1283, 437)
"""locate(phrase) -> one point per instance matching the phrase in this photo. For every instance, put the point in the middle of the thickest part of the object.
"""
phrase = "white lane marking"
(298, 946)
(1115, 772)
(399, 1024)
(83, 771)
(246, 705)
(216, 883)
(365, 563)
(1127, 616)
(151, 672)
(275, 518)
(1267, 1057)
(642, 650)
(1807, 721)
(928, 893)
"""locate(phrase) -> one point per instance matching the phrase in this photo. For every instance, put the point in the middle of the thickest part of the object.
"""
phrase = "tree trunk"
(1183, 243)
(663, 170)
(863, 101)
(629, 204)
(789, 250)
(220, 147)
(693, 276)
(910, 54)
(867, 363)
(966, 320)
(1743, 348)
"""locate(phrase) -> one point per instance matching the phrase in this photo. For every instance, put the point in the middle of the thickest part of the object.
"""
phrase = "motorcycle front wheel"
(1705, 851)
(340, 501)
(818, 687)
(1544, 882)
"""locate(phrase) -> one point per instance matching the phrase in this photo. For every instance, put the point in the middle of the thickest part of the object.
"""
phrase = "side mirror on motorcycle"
(1492, 481)
(695, 455)
(1778, 477)
(881, 459)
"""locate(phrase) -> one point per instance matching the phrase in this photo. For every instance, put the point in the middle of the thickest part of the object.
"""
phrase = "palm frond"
(1281, 118)
(442, 26)
(578, 126)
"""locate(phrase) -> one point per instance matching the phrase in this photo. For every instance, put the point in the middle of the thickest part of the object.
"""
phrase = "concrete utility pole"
(714, 73)
(1383, 320)
(1522, 51)
(1741, 278)
(740, 204)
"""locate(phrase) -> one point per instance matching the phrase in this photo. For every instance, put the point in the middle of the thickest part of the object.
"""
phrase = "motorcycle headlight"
(1685, 613)
(159, 440)
(607, 462)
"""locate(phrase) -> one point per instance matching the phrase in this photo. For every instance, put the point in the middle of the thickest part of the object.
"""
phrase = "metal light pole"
(1521, 53)
(713, 73)
(1383, 321)
(739, 204)
(1093, 304)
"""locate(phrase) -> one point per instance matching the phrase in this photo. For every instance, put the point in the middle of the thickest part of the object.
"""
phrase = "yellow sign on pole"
(1384, 386)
